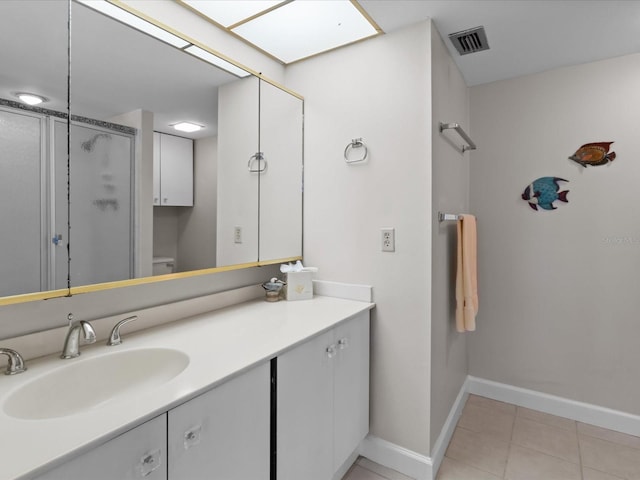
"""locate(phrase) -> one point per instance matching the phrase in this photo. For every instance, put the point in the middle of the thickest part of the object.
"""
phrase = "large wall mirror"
(145, 199)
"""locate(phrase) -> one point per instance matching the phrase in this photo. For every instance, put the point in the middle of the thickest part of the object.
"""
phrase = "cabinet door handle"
(192, 437)
(149, 462)
(343, 343)
(331, 351)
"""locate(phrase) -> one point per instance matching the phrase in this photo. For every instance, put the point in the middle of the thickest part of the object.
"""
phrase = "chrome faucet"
(72, 342)
(114, 338)
(16, 363)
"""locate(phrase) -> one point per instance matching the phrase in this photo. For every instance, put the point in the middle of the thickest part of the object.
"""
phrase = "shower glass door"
(101, 206)
(31, 261)
(22, 255)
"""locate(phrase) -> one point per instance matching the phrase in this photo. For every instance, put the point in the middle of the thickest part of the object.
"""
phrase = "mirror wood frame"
(67, 292)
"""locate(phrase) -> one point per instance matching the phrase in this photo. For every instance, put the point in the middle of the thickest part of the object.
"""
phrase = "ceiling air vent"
(470, 41)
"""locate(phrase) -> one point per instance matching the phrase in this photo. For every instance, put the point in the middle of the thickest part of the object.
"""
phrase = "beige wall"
(197, 225)
(378, 90)
(450, 102)
(558, 289)
(165, 232)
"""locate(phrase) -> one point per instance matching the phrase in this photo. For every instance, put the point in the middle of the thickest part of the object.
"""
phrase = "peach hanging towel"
(467, 275)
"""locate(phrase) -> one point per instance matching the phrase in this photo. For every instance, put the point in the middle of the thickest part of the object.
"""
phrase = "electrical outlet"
(388, 239)
(237, 234)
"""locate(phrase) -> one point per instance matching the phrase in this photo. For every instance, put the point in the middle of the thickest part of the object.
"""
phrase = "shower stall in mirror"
(101, 244)
(33, 190)
(33, 146)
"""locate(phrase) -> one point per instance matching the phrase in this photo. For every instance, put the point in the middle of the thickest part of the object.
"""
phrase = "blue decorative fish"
(543, 192)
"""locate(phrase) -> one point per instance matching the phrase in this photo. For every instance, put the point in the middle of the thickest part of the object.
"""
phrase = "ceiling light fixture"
(290, 30)
(134, 21)
(31, 98)
(128, 18)
(187, 127)
(202, 54)
(228, 13)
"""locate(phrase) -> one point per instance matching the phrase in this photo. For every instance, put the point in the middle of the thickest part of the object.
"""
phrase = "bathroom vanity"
(244, 392)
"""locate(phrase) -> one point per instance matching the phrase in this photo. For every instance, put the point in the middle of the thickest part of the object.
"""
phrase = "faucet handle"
(16, 363)
(88, 332)
(114, 338)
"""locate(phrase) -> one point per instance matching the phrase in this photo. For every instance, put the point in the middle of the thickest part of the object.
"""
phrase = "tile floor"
(365, 469)
(495, 440)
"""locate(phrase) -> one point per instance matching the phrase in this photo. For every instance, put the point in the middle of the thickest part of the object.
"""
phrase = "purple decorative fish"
(543, 192)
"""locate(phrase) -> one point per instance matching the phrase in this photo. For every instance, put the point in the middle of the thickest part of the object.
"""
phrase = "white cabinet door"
(323, 402)
(351, 387)
(176, 171)
(304, 413)
(172, 170)
(139, 453)
(224, 433)
(238, 110)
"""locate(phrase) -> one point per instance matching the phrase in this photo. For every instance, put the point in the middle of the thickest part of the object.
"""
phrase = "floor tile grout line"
(610, 441)
(529, 447)
(376, 473)
(513, 427)
(579, 452)
(475, 467)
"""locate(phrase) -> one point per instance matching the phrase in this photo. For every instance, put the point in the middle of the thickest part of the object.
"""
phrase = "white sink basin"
(86, 384)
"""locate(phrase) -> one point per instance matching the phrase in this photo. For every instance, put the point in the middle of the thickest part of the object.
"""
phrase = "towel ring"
(355, 143)
(262, 163)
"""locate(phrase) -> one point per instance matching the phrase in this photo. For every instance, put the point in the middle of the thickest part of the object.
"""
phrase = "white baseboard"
(582, 412)
(442, 442)
(393, 456)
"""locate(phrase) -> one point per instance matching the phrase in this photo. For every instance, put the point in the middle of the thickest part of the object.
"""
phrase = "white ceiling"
(525, 36)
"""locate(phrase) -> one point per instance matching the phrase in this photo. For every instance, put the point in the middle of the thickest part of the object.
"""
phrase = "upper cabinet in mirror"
(33, 147)
(147, 199)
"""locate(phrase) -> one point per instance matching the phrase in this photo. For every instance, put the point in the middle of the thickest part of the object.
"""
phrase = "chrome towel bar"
(448, 216)
(470, 145)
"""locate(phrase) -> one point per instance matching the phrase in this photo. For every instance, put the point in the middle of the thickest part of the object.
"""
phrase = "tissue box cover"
(299, 286)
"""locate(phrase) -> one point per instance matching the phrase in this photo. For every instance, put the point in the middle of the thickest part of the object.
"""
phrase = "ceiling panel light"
(217, 61)
(138, 23)
(300, 29)
(187, 127)
(30, 98)
(230, 12)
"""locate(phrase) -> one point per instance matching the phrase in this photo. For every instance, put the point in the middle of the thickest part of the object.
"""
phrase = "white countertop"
(220, 344)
